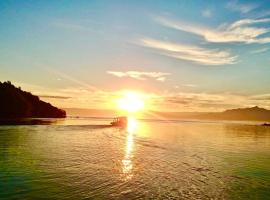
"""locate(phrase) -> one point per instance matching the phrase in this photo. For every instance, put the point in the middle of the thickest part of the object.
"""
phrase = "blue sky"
(189, 55)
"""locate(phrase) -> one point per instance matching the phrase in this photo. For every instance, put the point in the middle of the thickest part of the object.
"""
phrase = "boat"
(266, 124)
(119, 121)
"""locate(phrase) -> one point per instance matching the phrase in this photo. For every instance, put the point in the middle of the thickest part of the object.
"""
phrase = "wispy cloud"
(207, 13)
(191, 53)
(262, 97)
(262, 14)
(54, 97)
(244, 31)
(83, 97)
(139, 75)
(210, 102)
(243, 8)
(262, 50)
(190, 85)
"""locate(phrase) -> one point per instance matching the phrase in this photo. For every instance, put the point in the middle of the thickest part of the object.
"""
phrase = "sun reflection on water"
(127, 164)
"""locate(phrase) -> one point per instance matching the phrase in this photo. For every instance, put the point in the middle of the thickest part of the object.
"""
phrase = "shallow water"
(76, 159)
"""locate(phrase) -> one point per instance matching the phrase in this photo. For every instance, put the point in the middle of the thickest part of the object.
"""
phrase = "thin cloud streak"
(54, 97)
(210, 102)
(191, 53)
(241, 31)
(262, 97)
(262, 50)
(139, 75)
(241, 7)
(190, 85)
(262, 14)
(164, 101)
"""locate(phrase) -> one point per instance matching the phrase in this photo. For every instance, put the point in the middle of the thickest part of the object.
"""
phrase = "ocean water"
(82, 159)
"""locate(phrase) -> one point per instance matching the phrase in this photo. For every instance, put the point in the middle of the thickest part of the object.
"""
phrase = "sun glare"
(131, 102)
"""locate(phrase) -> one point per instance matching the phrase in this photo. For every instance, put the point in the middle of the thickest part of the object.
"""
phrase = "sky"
(180, 55)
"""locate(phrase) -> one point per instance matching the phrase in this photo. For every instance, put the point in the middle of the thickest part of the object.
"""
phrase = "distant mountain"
(16, 103)
(239, 114)
(248, 114)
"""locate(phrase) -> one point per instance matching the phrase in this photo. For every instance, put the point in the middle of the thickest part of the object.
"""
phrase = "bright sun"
(131, 102)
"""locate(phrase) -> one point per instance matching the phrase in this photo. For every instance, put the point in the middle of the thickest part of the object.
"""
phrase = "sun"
(131, 102)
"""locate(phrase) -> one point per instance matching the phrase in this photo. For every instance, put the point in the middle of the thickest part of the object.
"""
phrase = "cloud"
(190, 85)
(139, 75)
(242, 31)
(54, 97)
(175, 100)
(262, 97)
(242, 8)
(191, 53)
(195, 101)
(207, 13)
(186, 101)
(262, 14)
(262, 50)
(83, 97)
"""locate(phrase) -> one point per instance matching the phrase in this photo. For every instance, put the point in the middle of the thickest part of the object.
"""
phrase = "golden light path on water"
(127, 164)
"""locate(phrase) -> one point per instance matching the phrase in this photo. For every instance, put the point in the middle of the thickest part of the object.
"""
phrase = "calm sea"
(82, 159)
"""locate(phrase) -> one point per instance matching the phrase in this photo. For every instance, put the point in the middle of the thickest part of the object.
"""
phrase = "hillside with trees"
(16, 103)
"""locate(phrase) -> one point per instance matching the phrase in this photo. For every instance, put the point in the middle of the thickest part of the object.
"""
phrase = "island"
(240, 114)
(16, 103)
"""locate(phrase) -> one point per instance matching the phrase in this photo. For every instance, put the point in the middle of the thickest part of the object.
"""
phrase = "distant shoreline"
(240, 114)
(57, 121)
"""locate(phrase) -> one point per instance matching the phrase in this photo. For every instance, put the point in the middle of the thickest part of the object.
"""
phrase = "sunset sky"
(178, 55)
